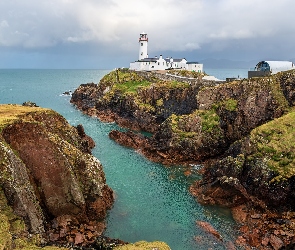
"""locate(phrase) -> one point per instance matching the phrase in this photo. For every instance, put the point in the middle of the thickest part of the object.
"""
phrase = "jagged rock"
(276, 242)
(241, 131)
(140, 107)
(30, 104)
(207, 227)
(48, 175)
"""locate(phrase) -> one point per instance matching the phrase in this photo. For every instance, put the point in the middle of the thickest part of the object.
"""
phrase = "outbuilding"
(265, 68)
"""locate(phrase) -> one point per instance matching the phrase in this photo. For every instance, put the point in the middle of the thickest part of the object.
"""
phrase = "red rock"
(62, 232)
(53, 237)
(70, 239)
(89, 235)
(79, 238)
(254, 240)
(265, 241)
(187, 173)
(255, 216)
(241, 240)
(289, 234)
(276, 242)
(239, 214)
(244, 229)
(91, 228)
(207, 227)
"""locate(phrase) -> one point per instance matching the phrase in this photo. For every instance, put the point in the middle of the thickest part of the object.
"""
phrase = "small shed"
(265, 68)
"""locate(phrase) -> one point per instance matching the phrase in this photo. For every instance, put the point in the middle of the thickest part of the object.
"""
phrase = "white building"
(159, 63)
(265, 68)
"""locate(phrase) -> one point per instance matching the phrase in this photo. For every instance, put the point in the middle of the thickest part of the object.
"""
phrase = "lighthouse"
(143, 42)
(146, 63)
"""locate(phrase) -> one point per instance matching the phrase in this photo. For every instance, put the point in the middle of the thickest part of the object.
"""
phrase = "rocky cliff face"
(137, 101)
(241, 131)
(49, 178)
(189, 122)
(225, 113)
(256, 178)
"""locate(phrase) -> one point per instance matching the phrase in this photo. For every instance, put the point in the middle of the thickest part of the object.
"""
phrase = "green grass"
(275, 142)
(210, 120)
(131, 86)
(229, 104)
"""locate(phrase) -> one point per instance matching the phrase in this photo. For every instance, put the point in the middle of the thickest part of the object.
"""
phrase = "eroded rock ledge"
(52, 188)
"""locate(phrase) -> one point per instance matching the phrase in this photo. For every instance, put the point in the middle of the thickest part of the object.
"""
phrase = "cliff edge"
(241, 131)
(52, 190)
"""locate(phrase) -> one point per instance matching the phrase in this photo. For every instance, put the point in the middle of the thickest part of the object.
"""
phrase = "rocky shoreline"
(230, 128)
(53, 191)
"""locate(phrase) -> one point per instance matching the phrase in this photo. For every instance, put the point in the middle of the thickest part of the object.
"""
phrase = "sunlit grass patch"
(11, 112)
(275, 142)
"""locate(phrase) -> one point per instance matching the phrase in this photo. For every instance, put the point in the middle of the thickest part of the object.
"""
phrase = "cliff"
(137, 100)
(242, 132)
(51, 188)
(255, 177)
(189, 121)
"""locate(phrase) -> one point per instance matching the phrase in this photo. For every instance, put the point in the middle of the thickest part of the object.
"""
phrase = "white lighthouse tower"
(143, 42)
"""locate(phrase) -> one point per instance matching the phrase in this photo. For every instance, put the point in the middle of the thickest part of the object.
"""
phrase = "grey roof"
(148, 60)
(192, 63)
(174, 60)
(177, 60)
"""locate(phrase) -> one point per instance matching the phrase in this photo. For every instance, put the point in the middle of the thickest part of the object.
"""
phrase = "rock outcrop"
(135, 100)
(255, 177)
(54, 188)
(241, 131)
(188, 122)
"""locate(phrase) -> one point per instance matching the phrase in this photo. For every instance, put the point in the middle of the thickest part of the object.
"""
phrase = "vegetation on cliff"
(143, 245)
(189, 122)
(244, 128)
(275, 145)
(49, 181)
(136, 100)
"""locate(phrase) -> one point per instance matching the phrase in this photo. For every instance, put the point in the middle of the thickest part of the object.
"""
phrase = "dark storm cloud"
(232, 29)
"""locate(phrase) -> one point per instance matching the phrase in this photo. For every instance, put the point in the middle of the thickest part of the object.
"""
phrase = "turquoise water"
(152, 201)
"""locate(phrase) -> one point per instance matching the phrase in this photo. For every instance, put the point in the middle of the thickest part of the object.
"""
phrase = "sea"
(152, 201)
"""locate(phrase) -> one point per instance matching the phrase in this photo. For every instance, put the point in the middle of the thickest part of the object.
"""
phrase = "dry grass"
(11, 112)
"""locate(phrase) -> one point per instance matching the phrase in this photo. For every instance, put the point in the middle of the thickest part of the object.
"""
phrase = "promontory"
(241, 132)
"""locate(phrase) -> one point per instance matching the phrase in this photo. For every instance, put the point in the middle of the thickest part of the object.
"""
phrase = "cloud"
(114, 25)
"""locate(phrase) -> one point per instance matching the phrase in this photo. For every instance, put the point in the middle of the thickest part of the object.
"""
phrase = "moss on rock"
(143, 245)
(275, 144)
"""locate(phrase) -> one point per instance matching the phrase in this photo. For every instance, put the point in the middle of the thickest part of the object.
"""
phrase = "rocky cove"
(241, 132)
(53, 192)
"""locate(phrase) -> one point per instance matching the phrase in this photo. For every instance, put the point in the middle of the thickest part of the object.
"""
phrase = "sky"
(103, 34)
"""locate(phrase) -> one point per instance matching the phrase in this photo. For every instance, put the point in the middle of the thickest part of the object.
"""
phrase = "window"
(141, 44)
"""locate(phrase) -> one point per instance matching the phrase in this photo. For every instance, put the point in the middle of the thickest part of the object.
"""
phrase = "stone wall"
(169, 77)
